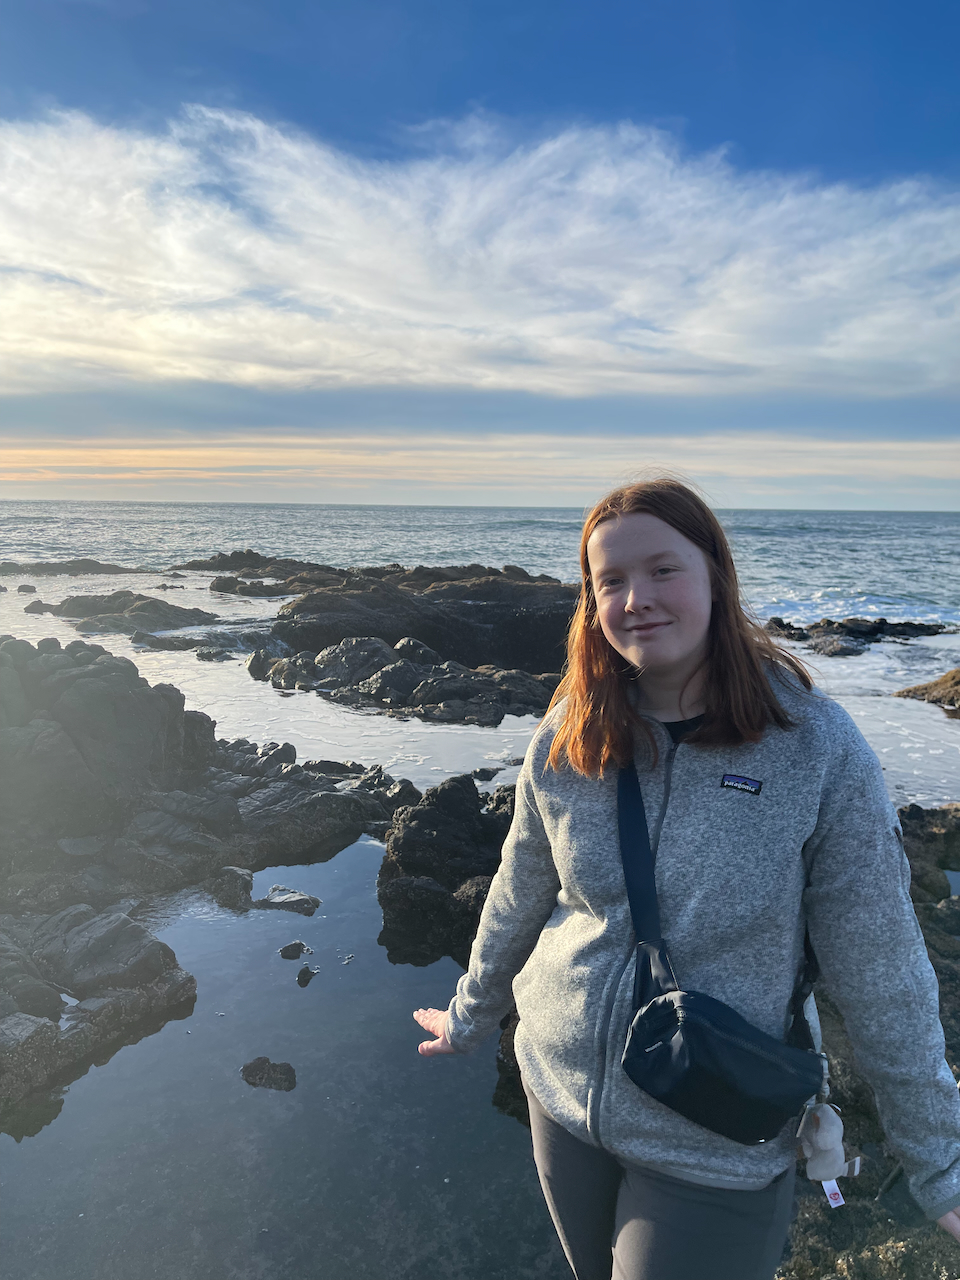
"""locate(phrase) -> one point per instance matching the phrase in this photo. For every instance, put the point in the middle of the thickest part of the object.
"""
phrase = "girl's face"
(653, 592)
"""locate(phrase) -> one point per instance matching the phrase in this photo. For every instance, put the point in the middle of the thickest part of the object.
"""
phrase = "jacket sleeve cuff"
(938, 1210)
(463, 1035)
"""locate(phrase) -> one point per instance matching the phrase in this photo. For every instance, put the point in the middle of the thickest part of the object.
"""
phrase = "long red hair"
(599, 723)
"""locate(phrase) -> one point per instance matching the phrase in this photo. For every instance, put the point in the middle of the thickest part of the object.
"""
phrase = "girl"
(767, 815)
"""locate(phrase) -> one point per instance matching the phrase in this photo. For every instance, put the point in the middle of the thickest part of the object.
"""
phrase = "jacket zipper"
(593, 1115)
(667, 779)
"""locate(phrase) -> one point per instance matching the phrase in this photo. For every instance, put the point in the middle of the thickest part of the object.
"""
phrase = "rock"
(38, 606)
(945, 691)
(25, 589)
(414, 651)
(335, 768)
(173, 644)
(441, 856)
(233, 888)
(283, 899)
(234, 586)
(264, 1074)
(23, 985)
(837, 646)
(352, 660)
(75, 568)
(394, 682)
(128, 612)
(128, 982)
(28, 1052)
(207, 654)
(89, 953)
(294, 950)
(306, 976)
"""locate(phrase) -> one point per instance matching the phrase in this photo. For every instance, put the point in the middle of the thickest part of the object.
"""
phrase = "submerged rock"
(264, 1074)
(294, 950)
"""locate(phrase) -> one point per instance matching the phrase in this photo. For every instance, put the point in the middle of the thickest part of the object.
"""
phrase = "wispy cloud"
(752, 469)
(594, 262)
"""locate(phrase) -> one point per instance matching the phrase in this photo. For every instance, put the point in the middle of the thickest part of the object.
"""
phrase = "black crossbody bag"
(691, 1052)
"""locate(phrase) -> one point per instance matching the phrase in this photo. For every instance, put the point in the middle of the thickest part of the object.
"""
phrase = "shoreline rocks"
(127, 612)
(55, 568)
(408, 679)
(112, 792)
(944, 691)
(850, 637)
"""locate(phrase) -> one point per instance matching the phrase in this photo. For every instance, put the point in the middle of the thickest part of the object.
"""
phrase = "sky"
(461, 252)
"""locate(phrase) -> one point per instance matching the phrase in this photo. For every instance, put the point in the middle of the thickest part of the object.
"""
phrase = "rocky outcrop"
(850, 636)
(408, 679)
(110, 789)
(945, 691)
(441, 856)
(110, 792)
(126, 612)
(472, 614)
(73, 984)
(54, 568)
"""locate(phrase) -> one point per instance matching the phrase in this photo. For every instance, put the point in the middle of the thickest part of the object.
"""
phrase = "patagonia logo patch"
(741, 784)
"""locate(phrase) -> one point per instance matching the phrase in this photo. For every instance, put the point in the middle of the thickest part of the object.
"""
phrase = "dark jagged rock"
(128, 612)
(233, 888)
(53, 568)
(110, 791)
(364, 671)
(944, 691)
(850, 636)
(306, 975)
(240, 587)
(441, 856)
(264, 1074)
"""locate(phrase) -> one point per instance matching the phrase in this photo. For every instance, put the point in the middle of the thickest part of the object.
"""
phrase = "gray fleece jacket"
(738, 872)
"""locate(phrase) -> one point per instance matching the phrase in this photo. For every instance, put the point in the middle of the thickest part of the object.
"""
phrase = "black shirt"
(678, 729)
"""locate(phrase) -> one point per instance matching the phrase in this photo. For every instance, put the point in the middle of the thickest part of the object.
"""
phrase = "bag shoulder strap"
(638, 873)
(637, 856)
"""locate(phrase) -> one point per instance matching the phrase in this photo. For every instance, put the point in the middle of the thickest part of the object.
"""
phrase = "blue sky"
(721, 237)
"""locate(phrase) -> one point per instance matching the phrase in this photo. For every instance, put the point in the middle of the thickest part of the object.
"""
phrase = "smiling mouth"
(647, 628)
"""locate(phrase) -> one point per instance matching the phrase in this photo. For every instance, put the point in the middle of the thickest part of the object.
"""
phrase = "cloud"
(493, 468)
(595, 262)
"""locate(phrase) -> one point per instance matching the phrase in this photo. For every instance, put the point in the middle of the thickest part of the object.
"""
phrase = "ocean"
(800, 564)
(160, 1163)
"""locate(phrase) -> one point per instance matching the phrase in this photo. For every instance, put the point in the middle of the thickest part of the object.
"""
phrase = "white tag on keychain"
(821, 1138)
(832, 1192)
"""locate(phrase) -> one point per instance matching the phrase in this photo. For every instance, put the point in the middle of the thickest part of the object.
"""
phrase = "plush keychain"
(821, 1138)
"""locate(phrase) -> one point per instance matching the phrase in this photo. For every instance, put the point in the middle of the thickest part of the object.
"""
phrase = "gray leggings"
(630, 1224)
